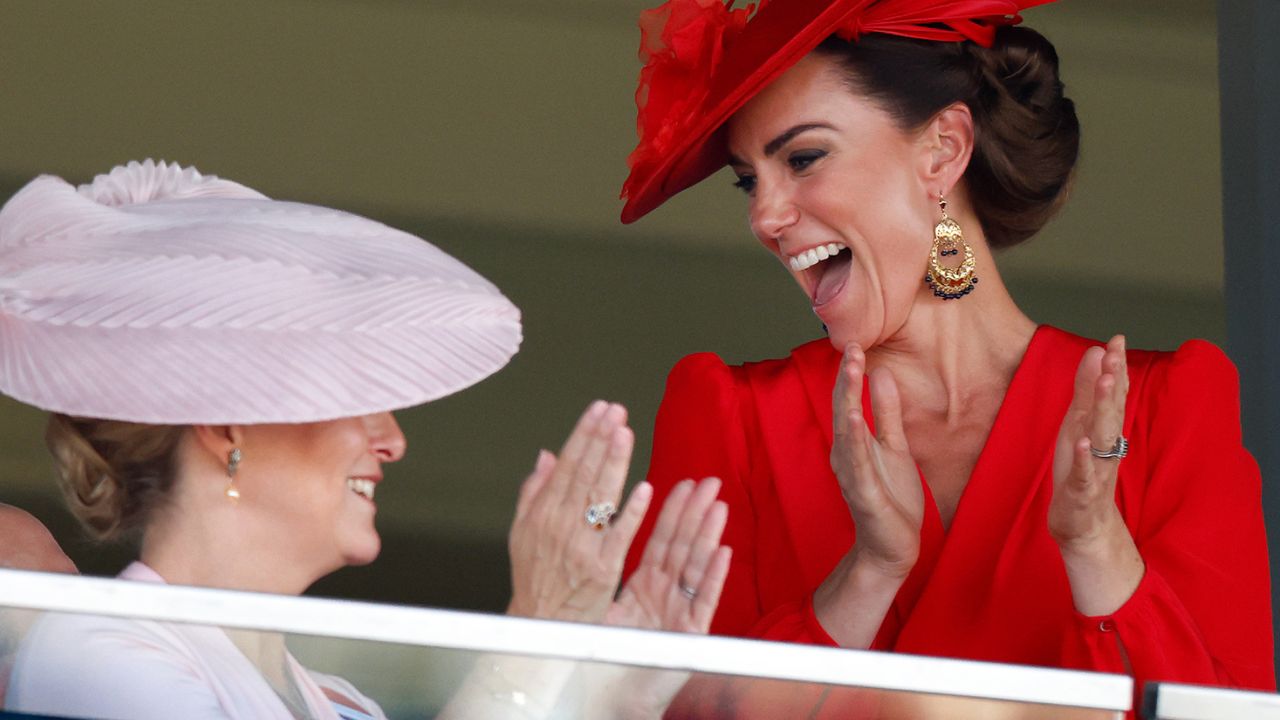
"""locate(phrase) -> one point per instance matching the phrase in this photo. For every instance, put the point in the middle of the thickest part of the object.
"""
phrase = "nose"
(386, 441)
(772, 214)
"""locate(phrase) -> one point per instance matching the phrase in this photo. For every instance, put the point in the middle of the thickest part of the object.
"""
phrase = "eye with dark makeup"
(800, 160)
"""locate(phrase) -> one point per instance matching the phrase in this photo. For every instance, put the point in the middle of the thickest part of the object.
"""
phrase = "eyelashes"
(798, 162)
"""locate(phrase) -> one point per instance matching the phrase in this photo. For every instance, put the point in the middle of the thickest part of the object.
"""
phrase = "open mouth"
(364, 487)
(825, 269)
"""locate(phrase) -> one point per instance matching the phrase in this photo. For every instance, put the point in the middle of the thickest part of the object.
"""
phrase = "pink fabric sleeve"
(75, 666)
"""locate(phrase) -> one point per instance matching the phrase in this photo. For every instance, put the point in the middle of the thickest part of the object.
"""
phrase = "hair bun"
(1028, 135)
(151, 181)
(1025, 65)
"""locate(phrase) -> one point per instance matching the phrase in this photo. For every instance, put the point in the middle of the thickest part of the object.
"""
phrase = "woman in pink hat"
(220, 370)
(941, 475)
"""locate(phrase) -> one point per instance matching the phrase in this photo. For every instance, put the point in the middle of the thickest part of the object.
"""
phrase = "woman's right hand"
(563, 568)
(881, 486)
(878, 477)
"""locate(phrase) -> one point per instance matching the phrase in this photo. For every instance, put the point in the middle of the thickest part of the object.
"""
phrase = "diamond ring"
(599, 515)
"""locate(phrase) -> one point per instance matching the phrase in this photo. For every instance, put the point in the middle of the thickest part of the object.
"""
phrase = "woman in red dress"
(942, 476)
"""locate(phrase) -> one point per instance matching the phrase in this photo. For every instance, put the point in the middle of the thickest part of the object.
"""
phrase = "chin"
(841, 334)
(366, 553)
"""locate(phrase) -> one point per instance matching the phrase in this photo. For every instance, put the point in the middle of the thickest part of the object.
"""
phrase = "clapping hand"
(677, 584)
(563, 566)
(567, 548)
(675, 587)
(567, 553)
(1084, 486)
(877, 474)
(1102, 561)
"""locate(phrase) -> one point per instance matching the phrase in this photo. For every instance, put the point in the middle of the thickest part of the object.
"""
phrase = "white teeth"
(813, 256)
(361, 486)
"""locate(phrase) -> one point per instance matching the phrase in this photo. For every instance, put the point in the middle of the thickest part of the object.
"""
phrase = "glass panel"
(1173, 701)
(122, 649)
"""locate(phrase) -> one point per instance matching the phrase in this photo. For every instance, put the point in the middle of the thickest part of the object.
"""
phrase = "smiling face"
(310, 487)
(839, 194)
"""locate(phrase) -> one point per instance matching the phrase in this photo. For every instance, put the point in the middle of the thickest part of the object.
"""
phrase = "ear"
(948, 139)
(218, 440)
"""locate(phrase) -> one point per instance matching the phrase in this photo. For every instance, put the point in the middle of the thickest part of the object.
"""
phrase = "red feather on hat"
(704, 59)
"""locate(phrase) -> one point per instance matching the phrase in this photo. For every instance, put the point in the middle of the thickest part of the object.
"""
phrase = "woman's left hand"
(1102, 561)
(677, 584)
(675, 587)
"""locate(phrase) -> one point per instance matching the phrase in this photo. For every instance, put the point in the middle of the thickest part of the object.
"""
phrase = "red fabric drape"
(993, 586)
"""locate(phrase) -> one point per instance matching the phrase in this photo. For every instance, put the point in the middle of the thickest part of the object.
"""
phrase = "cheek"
(336, 452)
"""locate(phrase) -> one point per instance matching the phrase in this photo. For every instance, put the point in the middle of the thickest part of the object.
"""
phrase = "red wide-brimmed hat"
(704, 59)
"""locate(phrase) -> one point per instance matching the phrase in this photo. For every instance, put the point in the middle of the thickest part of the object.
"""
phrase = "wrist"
(852, 602)
(1103, 539)
(871, 570)
(1103, 570)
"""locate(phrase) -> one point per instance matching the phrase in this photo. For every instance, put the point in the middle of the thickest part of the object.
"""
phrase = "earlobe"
(218, 440)
(222, 443)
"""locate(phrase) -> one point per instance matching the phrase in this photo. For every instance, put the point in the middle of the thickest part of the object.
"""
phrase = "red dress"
(993, 587)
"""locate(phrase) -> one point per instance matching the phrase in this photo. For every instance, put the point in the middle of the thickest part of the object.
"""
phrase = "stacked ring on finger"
(599, 515)
(1117, 451)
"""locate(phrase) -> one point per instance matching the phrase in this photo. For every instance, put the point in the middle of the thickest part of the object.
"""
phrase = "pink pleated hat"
(159, 295)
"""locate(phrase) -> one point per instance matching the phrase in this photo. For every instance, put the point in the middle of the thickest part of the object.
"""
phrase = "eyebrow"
(774, 145)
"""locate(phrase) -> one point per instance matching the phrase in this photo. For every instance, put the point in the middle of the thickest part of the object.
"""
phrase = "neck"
(951, 351)
(205, 539)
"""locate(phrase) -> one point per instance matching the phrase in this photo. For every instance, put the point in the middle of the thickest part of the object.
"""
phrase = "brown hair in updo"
(113, 474)
(1026, 135)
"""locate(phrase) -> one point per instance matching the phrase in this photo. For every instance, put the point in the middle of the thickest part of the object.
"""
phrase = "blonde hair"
(113, 474)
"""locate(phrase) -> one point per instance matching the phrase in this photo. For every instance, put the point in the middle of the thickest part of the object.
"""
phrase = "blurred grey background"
(498, 129)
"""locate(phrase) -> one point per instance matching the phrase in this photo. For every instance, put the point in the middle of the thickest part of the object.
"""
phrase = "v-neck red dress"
(993, 586)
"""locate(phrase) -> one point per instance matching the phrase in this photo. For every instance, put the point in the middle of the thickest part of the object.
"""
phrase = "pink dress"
(124, 669)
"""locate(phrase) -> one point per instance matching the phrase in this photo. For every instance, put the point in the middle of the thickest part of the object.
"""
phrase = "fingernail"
(545, 458)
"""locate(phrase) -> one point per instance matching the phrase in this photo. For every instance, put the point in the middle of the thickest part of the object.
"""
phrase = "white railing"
(380, 623)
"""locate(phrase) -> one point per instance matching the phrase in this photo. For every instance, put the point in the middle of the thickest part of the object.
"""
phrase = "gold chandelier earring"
(233, 466)
(950, 282)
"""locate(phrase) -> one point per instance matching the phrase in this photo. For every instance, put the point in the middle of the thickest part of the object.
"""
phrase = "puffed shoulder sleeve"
(1202, 612)
(699, 433)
